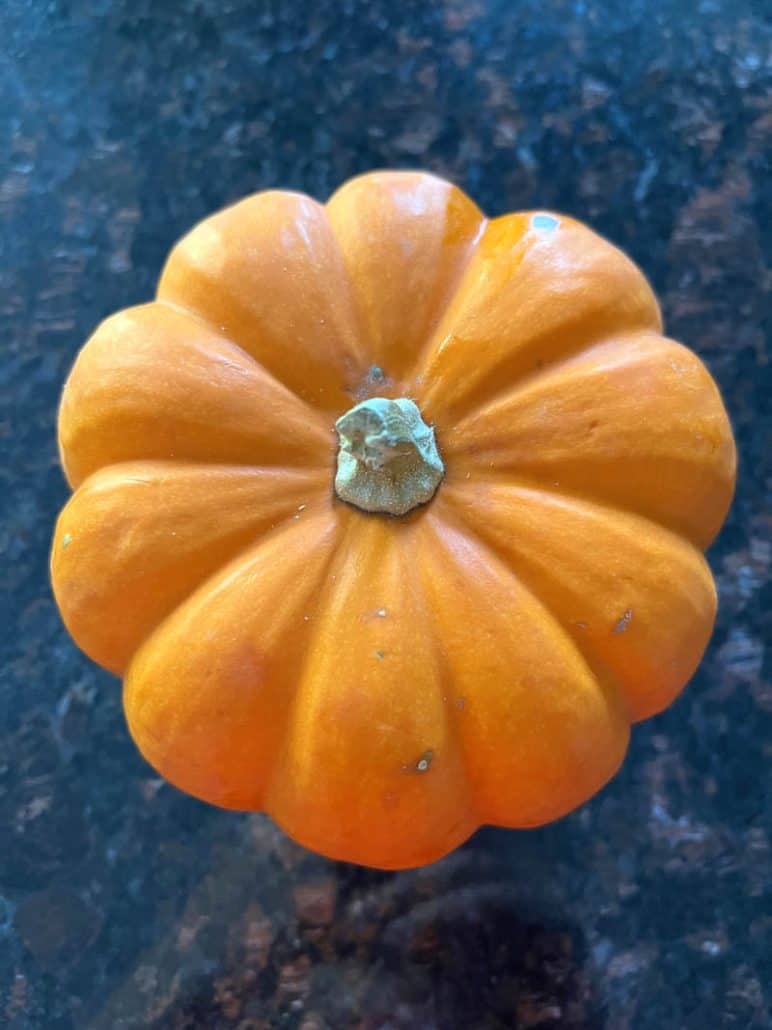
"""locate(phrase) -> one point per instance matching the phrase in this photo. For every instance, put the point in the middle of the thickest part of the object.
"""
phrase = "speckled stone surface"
(124, 904)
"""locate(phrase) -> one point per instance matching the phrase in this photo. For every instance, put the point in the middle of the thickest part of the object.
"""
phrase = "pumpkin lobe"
(388, 460)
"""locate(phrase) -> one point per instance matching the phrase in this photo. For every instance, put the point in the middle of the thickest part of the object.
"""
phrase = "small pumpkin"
(391, 515)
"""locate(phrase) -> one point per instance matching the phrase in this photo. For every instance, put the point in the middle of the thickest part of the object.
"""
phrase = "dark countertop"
(124, 903)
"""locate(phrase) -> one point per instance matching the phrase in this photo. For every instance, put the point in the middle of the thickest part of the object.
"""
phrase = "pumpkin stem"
(388, 459)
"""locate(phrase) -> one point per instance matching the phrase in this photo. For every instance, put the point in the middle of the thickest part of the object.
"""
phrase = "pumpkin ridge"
(445, 684)
(285, 805)
(598, 673)
(417, 214)
(216, 330)
(576, 348)
(647, 702)
(236, 793)
(510, 392)
(450, 695)
(676, 471)
(426, 346)
(244, 466)
(433, 345)
(510, 477)
(179, 274)
(231, 564)
(151, 383)
(628, 305)
(345, 531)
(607, 682)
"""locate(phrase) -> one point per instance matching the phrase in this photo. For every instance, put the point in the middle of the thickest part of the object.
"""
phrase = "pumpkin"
(391, 516)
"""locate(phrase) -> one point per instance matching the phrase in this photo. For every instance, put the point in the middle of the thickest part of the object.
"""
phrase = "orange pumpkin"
(529, 473)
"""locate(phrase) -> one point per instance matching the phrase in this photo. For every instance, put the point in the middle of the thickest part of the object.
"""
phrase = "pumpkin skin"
(382, 686)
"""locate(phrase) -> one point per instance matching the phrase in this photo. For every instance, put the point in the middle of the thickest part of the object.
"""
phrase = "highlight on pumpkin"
(390, 515)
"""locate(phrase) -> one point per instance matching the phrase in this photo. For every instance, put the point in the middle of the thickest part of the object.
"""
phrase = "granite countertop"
(125, 904)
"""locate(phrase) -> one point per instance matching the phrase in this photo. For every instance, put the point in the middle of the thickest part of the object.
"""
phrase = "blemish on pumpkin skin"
(460, 703)
(376, 613)
(545, 223)
(380, 654)
(375, 378)
(421, 764)
(424, 762)
(624, 622)
(66, 541)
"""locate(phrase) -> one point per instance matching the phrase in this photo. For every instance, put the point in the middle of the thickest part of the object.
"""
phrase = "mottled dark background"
(124, 904)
